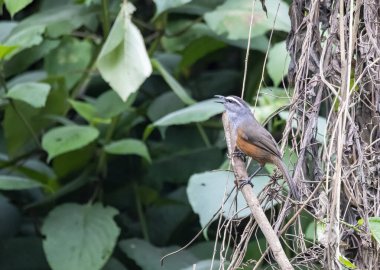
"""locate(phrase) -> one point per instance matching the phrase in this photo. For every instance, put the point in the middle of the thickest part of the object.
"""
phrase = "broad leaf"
(207, 191)
(128, 147)
(109, 104)
(8, 182)
(88, 112)
(164, 5)
(69, 60)
(123, 61)
(374, 226)
(65, 139)
(139, 250)
(6, 50)
(233, 18)
(15, 6)
(35, 94)
(198, 112)
(25, 37)
(174, 85)
(58, 20)
(278, 62)
(79, 236)
(30, 121)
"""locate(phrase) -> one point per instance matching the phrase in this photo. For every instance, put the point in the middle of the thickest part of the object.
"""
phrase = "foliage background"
(108, 146)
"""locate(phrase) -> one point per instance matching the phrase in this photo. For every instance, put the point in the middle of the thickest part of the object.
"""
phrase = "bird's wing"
(260, 137)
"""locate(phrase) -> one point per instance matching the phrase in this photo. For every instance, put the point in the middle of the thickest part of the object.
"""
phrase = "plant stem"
(13, 105)
(203, 135)
(101, 168)
(140, 213)
(105, 19)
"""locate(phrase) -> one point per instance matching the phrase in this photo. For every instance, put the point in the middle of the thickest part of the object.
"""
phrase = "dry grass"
(335, 72)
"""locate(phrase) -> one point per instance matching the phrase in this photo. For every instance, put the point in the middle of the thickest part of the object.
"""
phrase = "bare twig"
(253, 203)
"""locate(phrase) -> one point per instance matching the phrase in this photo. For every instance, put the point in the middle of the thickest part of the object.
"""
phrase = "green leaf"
(69, 60)
(8, 182)
(128, 147)
(20, 137)
(346, 262)
(139, 250)
(65, 139)
(206, 193)
(278, 62)
(198, 112)
(233, 18)
(14, 6)
(79, 236)
(164, 5)
(174, 85)
(88, 112)
(60, 20)
(374, 226)
(6, 27)
(123, 61)
(163, 105)
(270, 100)
(27, 57)
(321, 125)
(109, 104)
(25, 38)
(35, 94)
(198, 49)
(6, 50)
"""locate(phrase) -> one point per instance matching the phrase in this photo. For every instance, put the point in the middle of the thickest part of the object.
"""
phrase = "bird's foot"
(244, 182)
(239, 154)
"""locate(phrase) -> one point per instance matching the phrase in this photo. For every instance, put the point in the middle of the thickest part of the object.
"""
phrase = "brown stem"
(254, 205)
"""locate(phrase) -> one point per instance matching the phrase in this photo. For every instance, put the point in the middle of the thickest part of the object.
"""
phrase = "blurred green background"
(110, 135)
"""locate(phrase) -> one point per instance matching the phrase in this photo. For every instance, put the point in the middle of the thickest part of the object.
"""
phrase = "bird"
(253, 140)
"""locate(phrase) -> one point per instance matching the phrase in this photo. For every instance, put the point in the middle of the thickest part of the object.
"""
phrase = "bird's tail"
(292, 185)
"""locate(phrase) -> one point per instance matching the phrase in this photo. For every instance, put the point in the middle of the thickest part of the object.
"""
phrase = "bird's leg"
(239, 154)
(249, 180)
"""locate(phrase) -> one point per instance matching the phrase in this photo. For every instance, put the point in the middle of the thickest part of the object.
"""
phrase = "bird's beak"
(221, 99)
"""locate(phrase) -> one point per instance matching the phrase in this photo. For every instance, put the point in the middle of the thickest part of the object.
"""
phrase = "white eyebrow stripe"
(234, 99)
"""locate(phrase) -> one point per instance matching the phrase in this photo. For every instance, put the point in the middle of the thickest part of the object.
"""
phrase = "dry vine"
(335, 70)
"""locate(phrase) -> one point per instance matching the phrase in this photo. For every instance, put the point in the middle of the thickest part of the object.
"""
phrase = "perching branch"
(240, 172)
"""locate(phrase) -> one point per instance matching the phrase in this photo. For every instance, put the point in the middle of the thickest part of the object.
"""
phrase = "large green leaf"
(27, 57)
(278, 62)
(233, 18)
(198, 49)
(374, 226)
(269, 101)
(174, 85)
(69, 60)
(22, 137)
(139, 250)
(109, 104)
(25, 38)
(15, 6)
(8, 182)
(59, 20)
(6, 50)
(123, 61)
(68, 138)
(198, 112)
(164, 5)
(128, 147)
(79, 236)
(206, 192)
(35, 94)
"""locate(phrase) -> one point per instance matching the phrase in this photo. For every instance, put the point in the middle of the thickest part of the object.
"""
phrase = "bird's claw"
(244, 182)
(238, 154)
